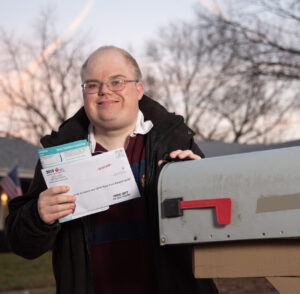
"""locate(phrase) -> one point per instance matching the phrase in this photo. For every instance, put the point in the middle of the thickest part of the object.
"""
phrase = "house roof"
(217, 148)
(16, 151)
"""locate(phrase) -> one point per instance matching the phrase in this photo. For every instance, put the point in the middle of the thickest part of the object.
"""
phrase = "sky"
(127, 24)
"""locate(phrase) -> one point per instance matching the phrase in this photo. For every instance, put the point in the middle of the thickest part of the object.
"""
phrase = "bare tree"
(40, 82)
(271, 29)
(244, 67)
(183, 70)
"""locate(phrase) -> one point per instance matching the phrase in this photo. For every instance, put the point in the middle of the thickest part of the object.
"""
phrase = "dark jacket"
(30, 237)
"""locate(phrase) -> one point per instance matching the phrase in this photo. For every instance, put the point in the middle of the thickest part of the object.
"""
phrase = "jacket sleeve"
(192, 144)
(195, 148)
(188, 141)
(27, 234)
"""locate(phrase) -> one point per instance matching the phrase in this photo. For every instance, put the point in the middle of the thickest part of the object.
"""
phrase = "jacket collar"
(76, 127)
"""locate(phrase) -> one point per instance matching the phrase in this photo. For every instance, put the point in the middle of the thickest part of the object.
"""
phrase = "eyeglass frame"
(124, 82)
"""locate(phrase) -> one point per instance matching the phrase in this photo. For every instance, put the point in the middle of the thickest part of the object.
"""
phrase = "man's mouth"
(106, 102)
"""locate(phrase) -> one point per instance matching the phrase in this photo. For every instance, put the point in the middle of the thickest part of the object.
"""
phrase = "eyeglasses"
(93, 87)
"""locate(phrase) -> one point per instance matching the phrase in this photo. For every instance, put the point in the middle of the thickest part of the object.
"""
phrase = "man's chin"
(109, 123)
(114, 124)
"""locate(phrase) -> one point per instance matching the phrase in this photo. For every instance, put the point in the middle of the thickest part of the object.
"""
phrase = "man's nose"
(103, 88)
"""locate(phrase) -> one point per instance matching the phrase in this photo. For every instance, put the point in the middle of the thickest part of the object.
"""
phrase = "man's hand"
(182, 154)
(52, 205)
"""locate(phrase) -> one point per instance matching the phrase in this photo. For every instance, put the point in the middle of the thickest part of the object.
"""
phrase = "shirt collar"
(142, 128)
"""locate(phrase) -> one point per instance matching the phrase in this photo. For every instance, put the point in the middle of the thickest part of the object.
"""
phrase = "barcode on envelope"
(120, 153)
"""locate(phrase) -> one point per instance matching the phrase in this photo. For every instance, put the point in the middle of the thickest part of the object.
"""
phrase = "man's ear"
(140, 89)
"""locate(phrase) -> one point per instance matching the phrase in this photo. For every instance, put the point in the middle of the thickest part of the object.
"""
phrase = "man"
(114, 251)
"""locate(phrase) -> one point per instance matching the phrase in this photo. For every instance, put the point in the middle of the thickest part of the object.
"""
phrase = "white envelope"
(97, 182)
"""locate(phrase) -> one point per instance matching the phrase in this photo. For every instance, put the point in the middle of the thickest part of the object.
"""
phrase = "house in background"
(218, 148)
(16, 152)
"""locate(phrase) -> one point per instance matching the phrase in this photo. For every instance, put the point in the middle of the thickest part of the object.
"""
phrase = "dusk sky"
(121, 23)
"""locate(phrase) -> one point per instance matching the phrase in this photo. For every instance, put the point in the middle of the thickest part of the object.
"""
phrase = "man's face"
(108, 110)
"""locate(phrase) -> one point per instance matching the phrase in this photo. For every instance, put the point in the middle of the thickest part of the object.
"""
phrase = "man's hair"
(129, 58)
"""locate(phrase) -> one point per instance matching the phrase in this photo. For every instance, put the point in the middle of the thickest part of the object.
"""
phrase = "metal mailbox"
(235, 197)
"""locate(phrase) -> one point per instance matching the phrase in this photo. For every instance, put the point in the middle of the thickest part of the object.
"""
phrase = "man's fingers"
(52, 204)
(56, 190)
(53, 199)
(188, 154)
(60, 199)
(60, 208)
(61, 214)
(182, 154)
(160, 162)
(51, 218)
(49, 214)
(175, 153)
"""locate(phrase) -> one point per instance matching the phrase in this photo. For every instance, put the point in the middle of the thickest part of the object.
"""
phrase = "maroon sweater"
(120, 249)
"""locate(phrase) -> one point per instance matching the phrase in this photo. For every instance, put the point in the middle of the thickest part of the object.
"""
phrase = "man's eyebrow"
(110, 78)
(117, 76)
(91, 80)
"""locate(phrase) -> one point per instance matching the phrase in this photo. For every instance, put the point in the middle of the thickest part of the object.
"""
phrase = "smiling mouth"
(107, 102)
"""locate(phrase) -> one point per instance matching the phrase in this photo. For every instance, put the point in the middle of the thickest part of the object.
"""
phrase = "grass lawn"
(17, 273)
